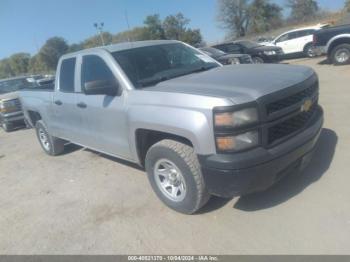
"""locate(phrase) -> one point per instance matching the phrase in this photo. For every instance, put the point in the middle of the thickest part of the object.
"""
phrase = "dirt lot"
(85, 203)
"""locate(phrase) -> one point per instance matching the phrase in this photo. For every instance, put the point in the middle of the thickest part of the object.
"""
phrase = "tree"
(264, 16)
(95, 41)
(36, 65)
(153, 25)
(135, 34)
(192, 37)
(19, 63)
(234, 16)
(5, 68)
(347, 5)
(302, 10)
(52, 50)
(175, 26)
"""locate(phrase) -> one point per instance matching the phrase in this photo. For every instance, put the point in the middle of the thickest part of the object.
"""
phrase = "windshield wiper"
(151, 81)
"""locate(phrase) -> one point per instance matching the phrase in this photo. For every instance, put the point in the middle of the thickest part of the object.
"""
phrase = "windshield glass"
(149, 65)
(249, 44)
(13, 85)
(213, 51)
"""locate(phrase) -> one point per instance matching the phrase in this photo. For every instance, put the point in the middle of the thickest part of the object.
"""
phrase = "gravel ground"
(86, 203)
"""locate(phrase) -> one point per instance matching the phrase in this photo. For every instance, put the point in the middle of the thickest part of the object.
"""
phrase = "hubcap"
(44, 140)
(342, 55)
(310, 52)
(170, 180)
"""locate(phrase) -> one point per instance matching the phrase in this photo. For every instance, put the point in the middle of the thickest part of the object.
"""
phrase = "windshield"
(8, 86)
(249, 44)
(149, 65)
(213, 51)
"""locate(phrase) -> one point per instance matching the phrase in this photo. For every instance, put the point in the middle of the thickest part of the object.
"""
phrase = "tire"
(52, 146)
(309, 51)
(169, 158)
(258, 60)
(340, 55)
(7, 127)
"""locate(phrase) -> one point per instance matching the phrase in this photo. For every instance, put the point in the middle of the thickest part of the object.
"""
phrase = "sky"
(26, 24)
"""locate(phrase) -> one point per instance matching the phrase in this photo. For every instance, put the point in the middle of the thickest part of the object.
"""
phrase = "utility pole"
(99, 27)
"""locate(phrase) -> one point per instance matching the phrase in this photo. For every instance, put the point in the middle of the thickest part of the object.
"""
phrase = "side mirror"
(102, 87)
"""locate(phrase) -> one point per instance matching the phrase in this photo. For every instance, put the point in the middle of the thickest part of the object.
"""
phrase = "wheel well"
(308, 44)
(345, 40)
(146, 138)
(34, 117)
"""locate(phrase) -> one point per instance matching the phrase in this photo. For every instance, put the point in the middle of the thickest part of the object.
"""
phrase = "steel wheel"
(170, 180)
(44, 140)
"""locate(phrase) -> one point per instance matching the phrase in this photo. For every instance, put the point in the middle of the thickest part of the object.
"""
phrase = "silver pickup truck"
(198, 128)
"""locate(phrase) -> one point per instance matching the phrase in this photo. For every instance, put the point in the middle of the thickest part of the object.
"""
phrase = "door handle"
(81, 105)
(58, 102)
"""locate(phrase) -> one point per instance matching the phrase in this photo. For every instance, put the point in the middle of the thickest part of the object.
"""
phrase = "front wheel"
(258, 60)
(341, 54)
(52, 146)
(175, 175)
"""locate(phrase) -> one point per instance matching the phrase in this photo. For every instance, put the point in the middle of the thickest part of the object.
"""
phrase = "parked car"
(335, 42)
(259, 53)
(198, 128)
(11, 114)
(227, 59)
(297, 41)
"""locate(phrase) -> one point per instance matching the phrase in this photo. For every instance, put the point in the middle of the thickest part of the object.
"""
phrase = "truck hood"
(9, 96)
(241, 83)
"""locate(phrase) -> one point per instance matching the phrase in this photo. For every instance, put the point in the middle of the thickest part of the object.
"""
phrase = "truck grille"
(291, 100)
(290, 125)
(18, 104)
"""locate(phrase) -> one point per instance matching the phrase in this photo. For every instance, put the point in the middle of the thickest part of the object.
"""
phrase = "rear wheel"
(52, 146)
(341, 54)
(309, 51)
(258, 60)
(175, 175)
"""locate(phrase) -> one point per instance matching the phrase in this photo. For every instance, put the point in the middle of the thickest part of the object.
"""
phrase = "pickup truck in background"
(197, 127)
(335, 42)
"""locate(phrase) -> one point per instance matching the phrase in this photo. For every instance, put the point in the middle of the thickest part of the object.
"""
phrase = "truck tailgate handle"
(81, 105)
(58, 102)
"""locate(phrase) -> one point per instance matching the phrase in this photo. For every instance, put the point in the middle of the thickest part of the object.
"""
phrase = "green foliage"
(264, 16)
(37, 65)
(347, 5)
(135, 34)
(5, 68)
(96, 40)
(154, 28)
(241, 17)
(19, 63)
(51, 51)
(302, 10)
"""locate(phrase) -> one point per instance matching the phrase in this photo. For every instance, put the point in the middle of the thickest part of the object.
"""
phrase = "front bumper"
(12, 118)
(229, 175)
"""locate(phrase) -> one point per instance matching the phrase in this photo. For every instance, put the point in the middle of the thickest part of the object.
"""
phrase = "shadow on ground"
(295, 182)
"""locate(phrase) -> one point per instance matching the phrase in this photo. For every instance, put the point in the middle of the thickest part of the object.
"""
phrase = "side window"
(93, 69)
(293, 35)
(282, 38)
(232, 48)
(67, 72)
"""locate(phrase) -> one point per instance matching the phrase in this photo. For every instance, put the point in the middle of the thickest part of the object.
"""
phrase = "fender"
(333, 39)
(190, 124)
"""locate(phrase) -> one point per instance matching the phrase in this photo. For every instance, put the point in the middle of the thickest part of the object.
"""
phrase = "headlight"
(239, 142)
(234, 61)
(269, 52)
(237, 118)
(8, 106)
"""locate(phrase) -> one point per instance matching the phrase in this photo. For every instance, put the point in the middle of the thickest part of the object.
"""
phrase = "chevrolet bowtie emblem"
(306, 106)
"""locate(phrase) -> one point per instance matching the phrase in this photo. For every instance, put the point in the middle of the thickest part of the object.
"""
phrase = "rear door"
(303, 38)
(104, 117)
(66, 120)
